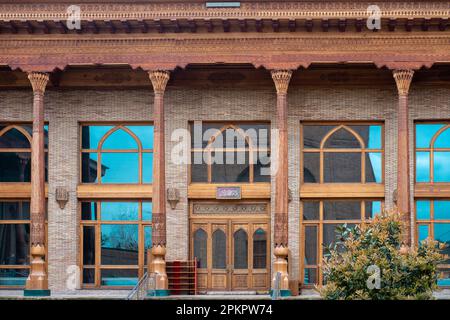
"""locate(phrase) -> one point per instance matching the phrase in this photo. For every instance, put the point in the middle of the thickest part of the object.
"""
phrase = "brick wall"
(65, 109)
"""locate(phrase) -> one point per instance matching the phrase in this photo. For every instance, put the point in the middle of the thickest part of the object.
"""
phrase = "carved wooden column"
(403, 80)
(37, 282)
(159, 81)
(281, 79)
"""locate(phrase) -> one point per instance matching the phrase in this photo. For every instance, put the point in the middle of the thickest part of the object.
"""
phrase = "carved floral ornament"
(281, 79)
(403, 80)
(159, 80)
(38, 81)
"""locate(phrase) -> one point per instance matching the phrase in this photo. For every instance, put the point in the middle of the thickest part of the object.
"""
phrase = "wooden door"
(232, 254)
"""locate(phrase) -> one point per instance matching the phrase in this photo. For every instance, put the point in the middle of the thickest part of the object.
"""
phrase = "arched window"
(200, 247)
(432, 153)
(342, 153)
(240, 249)
(259, 249)
(15, 152)
(230, 153)
(219, 249)
(117, 154)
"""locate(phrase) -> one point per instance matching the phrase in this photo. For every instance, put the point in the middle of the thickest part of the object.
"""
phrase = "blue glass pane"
(423, 210)
(89, 211)
(441, 167)
(375, 137)
(13, 138)
(13, 277)
(120, 139)
(443, 140)
(91, 135)
(373, 208)
(442, 232)
(444, 277)
(310, 276)
(423, 232)
(120, 168)
(442, 210)
(147, 167)
(145, 135)
(374, 172)
(422, 166)
(424, 134)
(120, 244)
(147, 209)
(89, 167)
(118, 277)
(124, 211)
(147, 237)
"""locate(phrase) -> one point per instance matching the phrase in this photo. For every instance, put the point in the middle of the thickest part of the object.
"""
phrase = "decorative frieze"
(226, 208)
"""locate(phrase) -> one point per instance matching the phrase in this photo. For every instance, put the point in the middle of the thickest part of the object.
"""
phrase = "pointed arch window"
(219, 249)
(432, 152)
(259, 249)
(117, 154)
(15, 152)
(229, 152)
(342, 153)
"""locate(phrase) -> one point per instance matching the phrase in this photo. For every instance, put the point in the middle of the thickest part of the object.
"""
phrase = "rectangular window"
(319, 220)
(433, 221)
(117, 154)
(115, 238)
(14, 243)
(230, 153)
(342, 153)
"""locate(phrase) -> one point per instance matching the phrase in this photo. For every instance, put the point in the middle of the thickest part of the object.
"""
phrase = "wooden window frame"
(319, 224)
(140, 151)
(322, 150)
(19, 126)
(431, 149)
(249, 148)
(98, 267)
(23, 266)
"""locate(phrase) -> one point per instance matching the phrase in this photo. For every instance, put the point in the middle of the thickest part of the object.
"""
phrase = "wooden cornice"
(248, 10)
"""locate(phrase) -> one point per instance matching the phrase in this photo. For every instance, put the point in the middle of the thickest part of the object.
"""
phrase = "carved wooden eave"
(274, 35)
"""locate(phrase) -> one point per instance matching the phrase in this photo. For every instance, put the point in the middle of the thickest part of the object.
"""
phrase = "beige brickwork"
(65, 109)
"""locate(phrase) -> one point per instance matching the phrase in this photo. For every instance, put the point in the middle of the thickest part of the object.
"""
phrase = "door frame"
(233, 222)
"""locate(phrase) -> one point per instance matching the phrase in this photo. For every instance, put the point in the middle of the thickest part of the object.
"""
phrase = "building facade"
(115, 138)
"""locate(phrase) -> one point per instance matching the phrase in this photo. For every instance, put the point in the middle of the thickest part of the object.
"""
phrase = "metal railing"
(141, 289)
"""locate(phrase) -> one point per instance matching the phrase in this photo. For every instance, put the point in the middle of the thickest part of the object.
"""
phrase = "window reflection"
(15, 152)
(225, 152)
(335, 153)
(117, 154)
(432, 153)
(122, 231)
(200, 248)
(240, 249)
(219, 249)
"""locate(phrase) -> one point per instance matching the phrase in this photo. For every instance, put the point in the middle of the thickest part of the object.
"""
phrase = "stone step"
(231, 293)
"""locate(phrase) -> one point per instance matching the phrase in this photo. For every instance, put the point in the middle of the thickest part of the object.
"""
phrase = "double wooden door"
(232, 253)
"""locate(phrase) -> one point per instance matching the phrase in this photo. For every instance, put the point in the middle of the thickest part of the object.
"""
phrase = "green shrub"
(404, 273)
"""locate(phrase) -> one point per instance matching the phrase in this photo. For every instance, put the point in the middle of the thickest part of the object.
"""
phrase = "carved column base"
(281, 266)
(37, 281)
(159, 268)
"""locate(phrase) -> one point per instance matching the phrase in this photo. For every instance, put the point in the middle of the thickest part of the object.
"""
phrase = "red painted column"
(281, 80)
(159, 81)
(37, 282)
(403, 80)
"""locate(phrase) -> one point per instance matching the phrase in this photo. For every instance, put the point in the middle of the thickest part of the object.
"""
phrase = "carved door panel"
(220, 257)
(241, 256)
(259, 267)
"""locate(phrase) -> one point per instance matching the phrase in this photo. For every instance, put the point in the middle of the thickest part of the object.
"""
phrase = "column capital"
(403, 78)
(159, 79)
(38, 81)
(281, 79)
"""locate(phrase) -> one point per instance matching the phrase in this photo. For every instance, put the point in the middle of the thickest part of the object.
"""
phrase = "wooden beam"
(248, 191)
(341, 190)
(114, 191)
